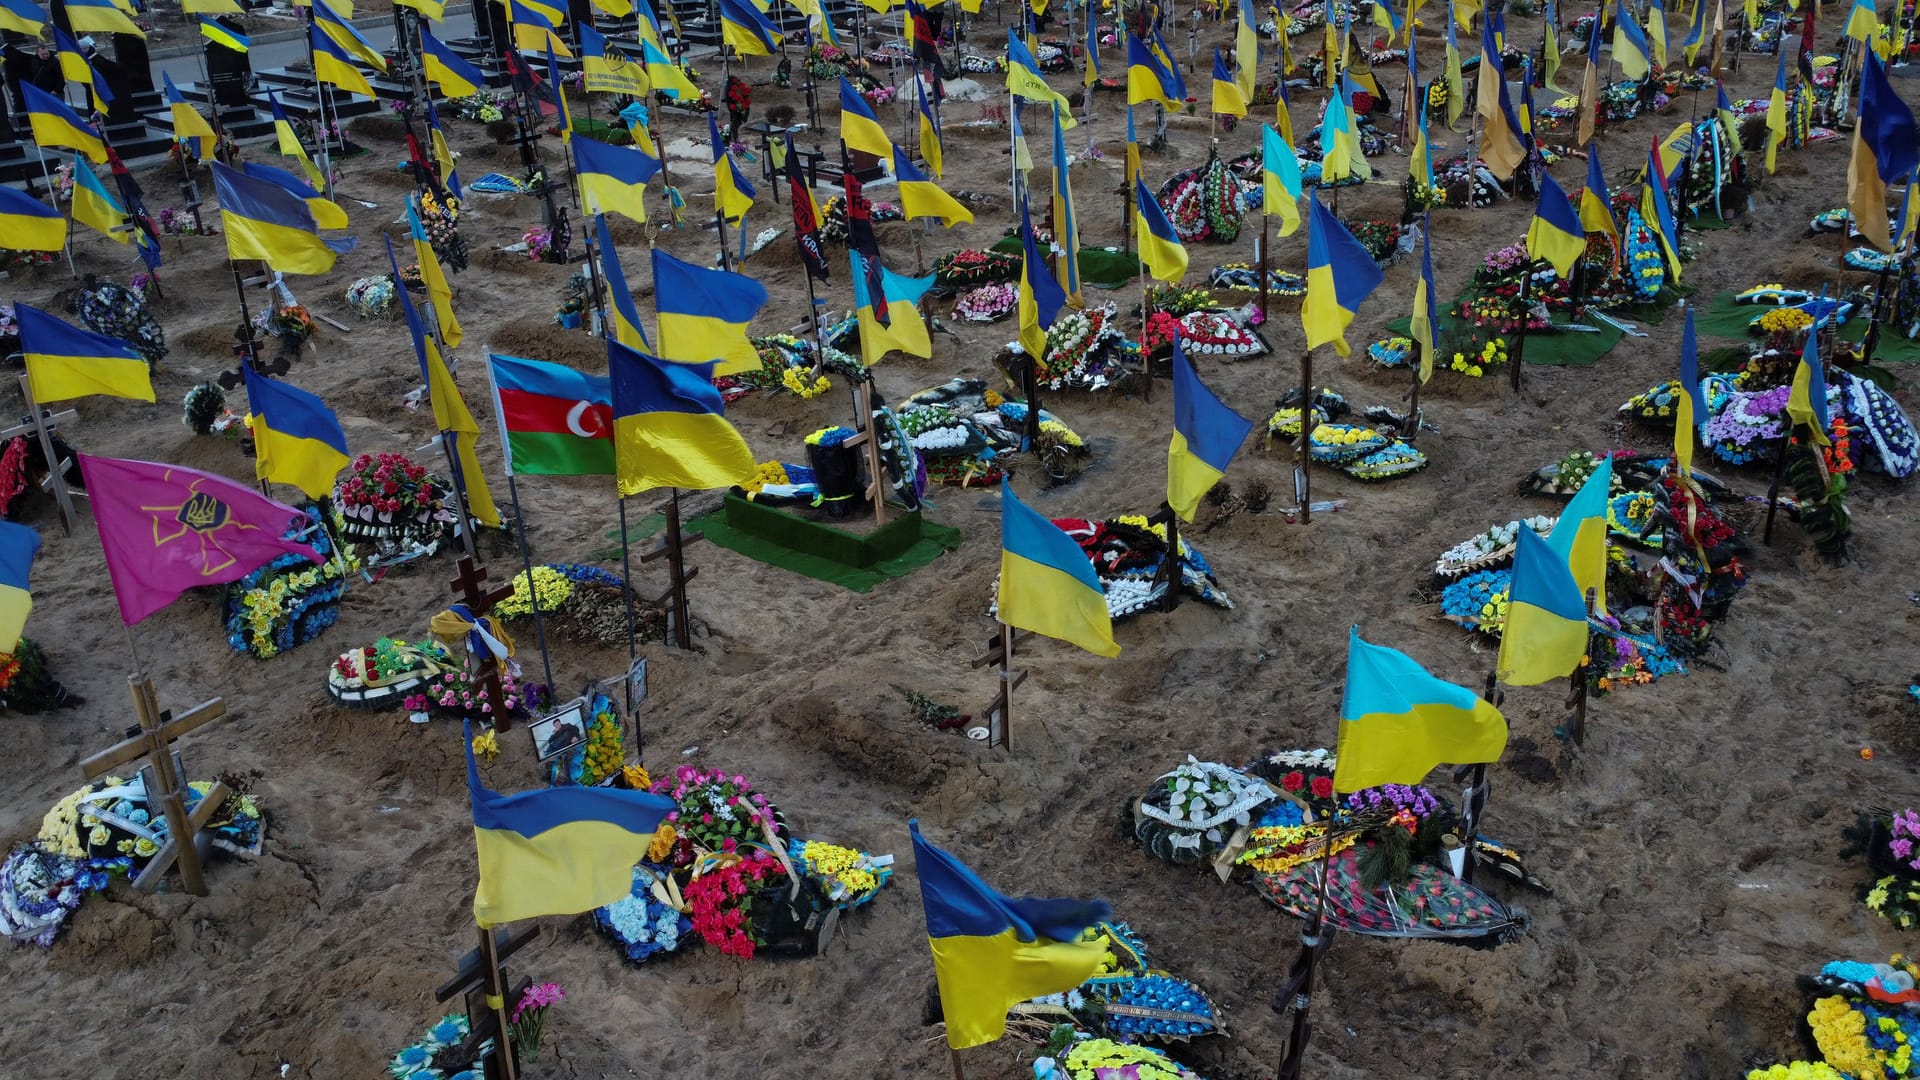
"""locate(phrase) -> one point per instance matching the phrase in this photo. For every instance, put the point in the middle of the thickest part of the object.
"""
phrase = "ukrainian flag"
(332, 64)
(1279, 180)
(432, 10)
(1420, 160)
(451, 417)
(669, 426)
(605, 69)
(1630, 48)
(1226, 92)
(1024, 78)
(100, 17)
(747, 30)
(1555, 233)
(1546, 631)
(1160, 247)
(55, 125)
(211, 7)
(190, 129)
(1040, 297)
(1456, 78)
(1397, 722)
(534, 29)
(1343, 158)
(220, 34)
(266, 221)
(1723, 108)
(858, 128)
(613, 179)
(704, 314)
(1047, 583)
(95, 206)
(18, 546)
(991, 953)
(1690, 406)
(1777, 111)
(666, 76)
(448, 70)
(326, 215)
(1658, 213)
(1091, 46)
(342, 33)
(439, 293)
(1388, 19)
(921, 197)
(905, 330)
(73, 64)
(1500, 135)
(65, 362)
(1206, 435)
(297, 438)
(1696, 32)
(556, 851)
(1596, 203)
(627, 327)
(1863, 20)
(929, 129)
(1282, 116)
(1340, 274)
(1806, 400)
(29, 224)
(1424, 326)
(554, 14)
(1148, 79)
(1066, 268)
(289, 143)
(1579, 537)
(22, 17)
(732, 192)
(1886, 146)
(1549, 47)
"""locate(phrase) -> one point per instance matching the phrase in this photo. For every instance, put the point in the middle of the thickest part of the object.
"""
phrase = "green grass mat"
(1099, 267)
(905, 544)
(1721, 317)
(1545, 348)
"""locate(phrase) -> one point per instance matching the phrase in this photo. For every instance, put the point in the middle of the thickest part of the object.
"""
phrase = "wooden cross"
(673, 549)
(866, 435)
(41, 424)
(466, 586)
(164, 780)
(1000, 713)
(481, 976)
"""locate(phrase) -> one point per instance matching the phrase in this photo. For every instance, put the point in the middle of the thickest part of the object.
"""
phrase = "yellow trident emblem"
(202, 513)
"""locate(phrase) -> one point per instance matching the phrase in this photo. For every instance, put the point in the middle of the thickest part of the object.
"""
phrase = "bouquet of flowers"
(969, 266)
(174, 221)
(371, 297)
(436, 1054)
(290, 324)
(529, 1019)
(716, 811)
(388, 486)
(441, 221)
(117, 311)
(486, 106)
(987, 303)
(466, 695)
(721, 901)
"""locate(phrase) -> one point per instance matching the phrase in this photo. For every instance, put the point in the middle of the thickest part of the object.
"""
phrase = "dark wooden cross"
(1000, 713)
(40, 423)
(673, 548)
(164, 780)
(481, 976)
(466, 586)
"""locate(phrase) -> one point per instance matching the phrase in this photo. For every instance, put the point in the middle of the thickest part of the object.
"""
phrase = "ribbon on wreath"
(481, 635)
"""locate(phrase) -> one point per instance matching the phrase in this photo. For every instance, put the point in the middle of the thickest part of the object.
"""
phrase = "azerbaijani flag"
(554, 421)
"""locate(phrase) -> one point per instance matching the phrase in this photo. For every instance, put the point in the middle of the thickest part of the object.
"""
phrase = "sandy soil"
(1691, 845)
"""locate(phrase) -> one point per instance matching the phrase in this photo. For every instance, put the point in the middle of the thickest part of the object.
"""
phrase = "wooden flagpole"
(1303, 463)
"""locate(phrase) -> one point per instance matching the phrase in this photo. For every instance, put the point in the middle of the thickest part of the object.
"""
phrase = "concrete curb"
(166, 52)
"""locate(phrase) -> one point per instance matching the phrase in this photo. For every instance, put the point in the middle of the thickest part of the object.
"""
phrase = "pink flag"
(167, 529)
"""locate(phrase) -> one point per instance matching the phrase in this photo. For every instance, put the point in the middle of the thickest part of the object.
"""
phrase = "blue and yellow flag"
(1886, 147)
(1657, 31)
(442, 154)
(1658, 212)
(991, 953)
(223, 35)
(559, 91)
(333, 65)
(190, 129)
(1090, 46)
(434, 277)
(1279, 180)
(54, 125)
(1066, 234)
(266, 221)
(342, 33)
(704, 314)
(1226, 92)
(1340, 274)
(1160, 248)
(1398, 722)
(1596, 203)
(326, 215)
(1024, 78)
(1500, 144)
(18, 545)
(1246, 50)
(1207, 432)
(22, 17)
(1282, 113)
(858, 127)
(1341, 158)
(1040, 297)
(1630, 48)
(1420, 160)
(613, 179)
(669, 426)
(289, 143)
(1807, 399)
(211, 7)
(627, 327)
(904, 329)
(1579, 537)
(1863, 20)
(96, 207)
(73, 64)
(449, 70)
(65, 362)
(1455, 77)
(29, 224)
(1424, 324)
(1047, 583)
(297, 438)
(559, 850)
(1555, 233)
(100, 17)
(733, 193)
(1777, 111)
(1148, 79)
(536, 28)
(667, 77)
(451, 417)
(1690, 407)
(605, 68)
(1546, 631)
(920, 197)
(1723, 109)
(930, 148)
(747, 30)
(1696, 31)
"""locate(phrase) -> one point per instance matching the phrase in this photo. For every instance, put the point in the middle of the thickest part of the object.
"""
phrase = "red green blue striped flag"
(554, 421)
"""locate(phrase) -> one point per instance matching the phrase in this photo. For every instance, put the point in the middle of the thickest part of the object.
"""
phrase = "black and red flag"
(861, 238)
(806, 230)
(925, 26)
